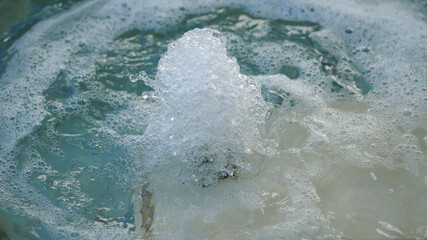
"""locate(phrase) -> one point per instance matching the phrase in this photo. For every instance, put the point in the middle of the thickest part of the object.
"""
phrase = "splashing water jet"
(209, 111)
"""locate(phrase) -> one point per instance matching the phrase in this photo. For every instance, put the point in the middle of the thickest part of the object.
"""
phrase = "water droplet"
(373, 176)
(133, 78)
(42, 178)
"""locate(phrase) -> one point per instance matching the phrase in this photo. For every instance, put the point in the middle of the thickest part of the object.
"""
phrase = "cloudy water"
(217, 120)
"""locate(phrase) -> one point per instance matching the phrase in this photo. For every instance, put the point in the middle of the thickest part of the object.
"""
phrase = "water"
(241, 120)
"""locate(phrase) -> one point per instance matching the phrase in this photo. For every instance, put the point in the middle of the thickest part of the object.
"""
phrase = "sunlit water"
(223, 120)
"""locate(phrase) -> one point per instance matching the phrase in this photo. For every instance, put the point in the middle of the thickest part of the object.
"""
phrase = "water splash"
(209, 111)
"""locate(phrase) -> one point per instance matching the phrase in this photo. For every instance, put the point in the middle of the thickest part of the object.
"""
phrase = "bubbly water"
(273, 119)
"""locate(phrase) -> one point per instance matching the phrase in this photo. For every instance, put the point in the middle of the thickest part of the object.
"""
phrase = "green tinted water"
(79, 157)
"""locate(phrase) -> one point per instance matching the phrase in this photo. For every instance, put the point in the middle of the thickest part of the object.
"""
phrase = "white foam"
(387, 45)
(209, 113)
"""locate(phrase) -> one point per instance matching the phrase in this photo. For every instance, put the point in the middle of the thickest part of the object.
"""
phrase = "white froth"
(297, 178)
(209, 113)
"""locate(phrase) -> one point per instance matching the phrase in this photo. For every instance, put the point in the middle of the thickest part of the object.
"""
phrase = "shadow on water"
(3, 235)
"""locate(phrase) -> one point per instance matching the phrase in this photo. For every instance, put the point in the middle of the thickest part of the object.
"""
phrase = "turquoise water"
(81, 137)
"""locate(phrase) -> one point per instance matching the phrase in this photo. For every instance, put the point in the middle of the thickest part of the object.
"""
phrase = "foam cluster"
(209, 111)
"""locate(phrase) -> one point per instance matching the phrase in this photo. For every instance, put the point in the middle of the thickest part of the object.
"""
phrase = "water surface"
(285, 120)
